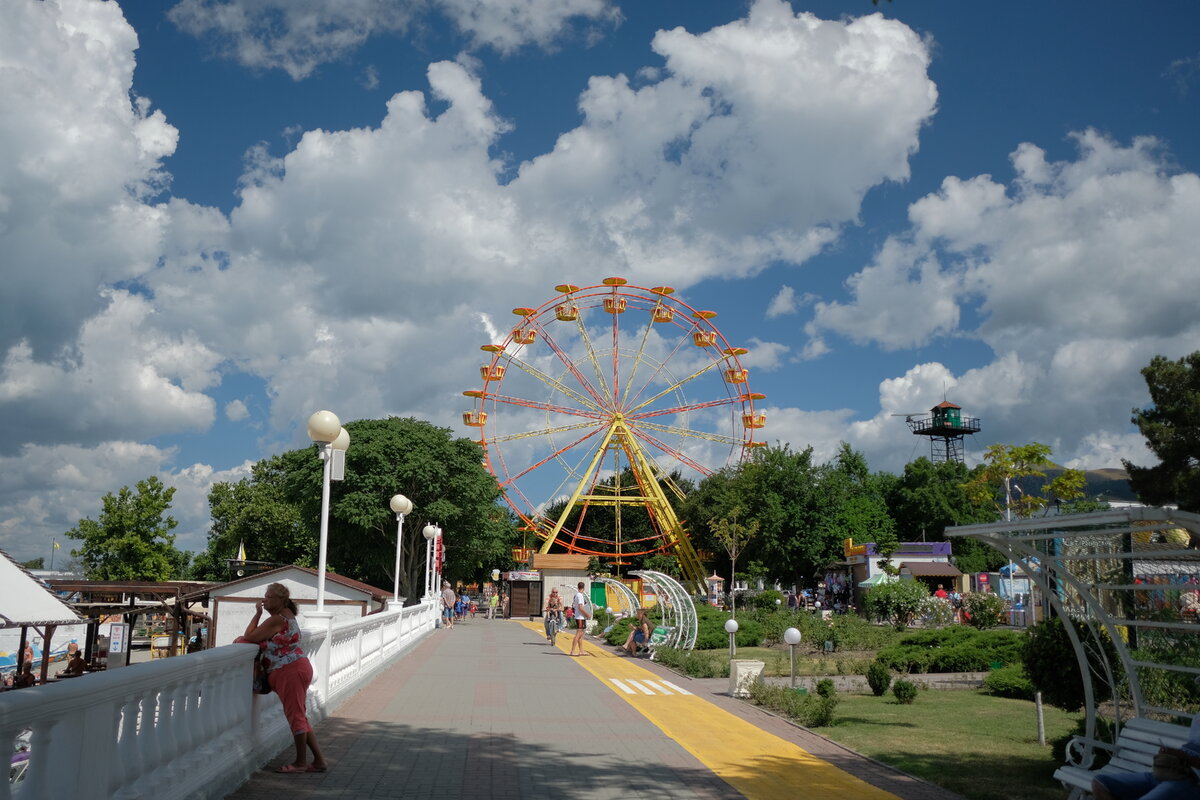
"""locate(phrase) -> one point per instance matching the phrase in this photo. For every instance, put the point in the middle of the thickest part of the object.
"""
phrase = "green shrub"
(766, 600)
(954, 649)
(984, 609)
(1010, 681)
(710, 629)
(1053, 668)
(879, 678)
(904, 691)
(811, 710)
(697, 664)
(852, 632)
(1163, 687)
(897, 603)
(825, 688)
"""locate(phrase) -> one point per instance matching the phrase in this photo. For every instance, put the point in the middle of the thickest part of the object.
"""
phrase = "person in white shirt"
(582, 614)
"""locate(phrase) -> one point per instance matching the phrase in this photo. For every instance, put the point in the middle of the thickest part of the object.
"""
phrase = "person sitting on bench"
(1174, 777)
(639, 635)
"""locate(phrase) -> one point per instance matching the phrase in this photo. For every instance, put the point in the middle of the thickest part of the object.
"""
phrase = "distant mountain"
(1109, 485)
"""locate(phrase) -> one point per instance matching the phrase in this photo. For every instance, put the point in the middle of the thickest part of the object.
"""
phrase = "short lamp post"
(401, 505)
(326, 430)
(731, 627)
(792, 637)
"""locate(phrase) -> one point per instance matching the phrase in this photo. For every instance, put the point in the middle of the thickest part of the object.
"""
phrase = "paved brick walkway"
(490, 710)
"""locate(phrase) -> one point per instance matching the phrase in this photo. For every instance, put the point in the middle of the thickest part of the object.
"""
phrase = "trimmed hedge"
(1009, 681)
(956, 649)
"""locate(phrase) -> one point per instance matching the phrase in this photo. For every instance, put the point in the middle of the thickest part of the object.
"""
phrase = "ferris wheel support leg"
(579, 490)
(669, 524)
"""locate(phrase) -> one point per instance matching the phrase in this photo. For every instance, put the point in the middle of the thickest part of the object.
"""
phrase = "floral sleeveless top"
(284, 647)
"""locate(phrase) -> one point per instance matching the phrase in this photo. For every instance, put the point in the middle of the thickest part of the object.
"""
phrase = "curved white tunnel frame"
(678, 610)
(1124, 576)
(627, 599)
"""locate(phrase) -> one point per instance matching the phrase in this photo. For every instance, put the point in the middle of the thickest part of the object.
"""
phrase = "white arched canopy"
(679, 613)
(628, 602)
(1129, 577)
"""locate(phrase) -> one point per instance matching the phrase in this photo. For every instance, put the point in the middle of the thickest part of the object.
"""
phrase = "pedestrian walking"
(449, 598)
(581, 607)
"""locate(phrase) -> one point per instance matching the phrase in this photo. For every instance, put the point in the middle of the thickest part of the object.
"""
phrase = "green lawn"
(980, 746)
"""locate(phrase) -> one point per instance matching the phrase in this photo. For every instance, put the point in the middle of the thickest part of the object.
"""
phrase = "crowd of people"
(457, 607)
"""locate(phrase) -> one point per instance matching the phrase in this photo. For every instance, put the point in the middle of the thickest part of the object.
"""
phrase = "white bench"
(658, 638)
(1134, 752)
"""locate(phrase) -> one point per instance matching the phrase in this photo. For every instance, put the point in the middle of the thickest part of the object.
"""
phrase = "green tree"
(36, 563)
(998, 483)
(852, 502)
(928, 498)
(778, 487)
(1172, 430)
(257, 512)
(804, 510)
(733, 536)
(276, 512)
(132, 539)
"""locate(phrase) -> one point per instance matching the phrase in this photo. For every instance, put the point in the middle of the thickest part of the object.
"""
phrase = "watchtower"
(945, 426)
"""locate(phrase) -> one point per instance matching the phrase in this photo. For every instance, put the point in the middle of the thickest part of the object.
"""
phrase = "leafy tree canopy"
(1172, 430)
(132, 539)
(928, 498)
(998, 483)
(803, 510)
(276, 512)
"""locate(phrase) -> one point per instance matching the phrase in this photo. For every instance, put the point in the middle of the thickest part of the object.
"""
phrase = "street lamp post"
(430, 532)
(326, 430)
(792, 637)
(731, 626)
(401, 505)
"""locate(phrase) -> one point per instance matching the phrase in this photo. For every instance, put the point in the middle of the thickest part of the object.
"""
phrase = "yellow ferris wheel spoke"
(584, 482)
(591, 357)
(638, 356)
(673, 387)
(679, 430)
(553, 383)
(512, 437)
(680, 342)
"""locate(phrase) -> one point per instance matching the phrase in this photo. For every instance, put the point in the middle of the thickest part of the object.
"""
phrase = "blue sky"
(217, 216)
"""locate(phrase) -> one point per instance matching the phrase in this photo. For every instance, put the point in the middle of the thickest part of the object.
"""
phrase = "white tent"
(27, 603)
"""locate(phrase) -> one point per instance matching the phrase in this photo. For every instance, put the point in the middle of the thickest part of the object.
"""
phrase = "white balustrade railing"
(186, 727)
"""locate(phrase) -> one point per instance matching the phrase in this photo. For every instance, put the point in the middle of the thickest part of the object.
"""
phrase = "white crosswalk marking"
(648, 687)
(679, 689)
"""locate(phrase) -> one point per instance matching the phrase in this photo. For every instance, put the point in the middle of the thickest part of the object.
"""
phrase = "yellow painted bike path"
(758, 764)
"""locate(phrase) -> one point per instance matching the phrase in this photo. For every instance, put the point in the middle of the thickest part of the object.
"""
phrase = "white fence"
(186, 727)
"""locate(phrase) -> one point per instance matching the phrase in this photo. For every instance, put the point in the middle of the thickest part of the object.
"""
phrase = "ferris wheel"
(596, 401)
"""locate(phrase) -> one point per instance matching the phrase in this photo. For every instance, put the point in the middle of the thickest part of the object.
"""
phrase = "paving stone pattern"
(489, 710)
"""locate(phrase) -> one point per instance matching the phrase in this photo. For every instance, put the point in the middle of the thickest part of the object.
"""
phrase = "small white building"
(29, 608)
(232, 604)
(562, 571)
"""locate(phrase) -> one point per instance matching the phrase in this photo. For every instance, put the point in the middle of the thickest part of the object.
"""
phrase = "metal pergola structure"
(626, 598)
(678, 610)
(1130, 580)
